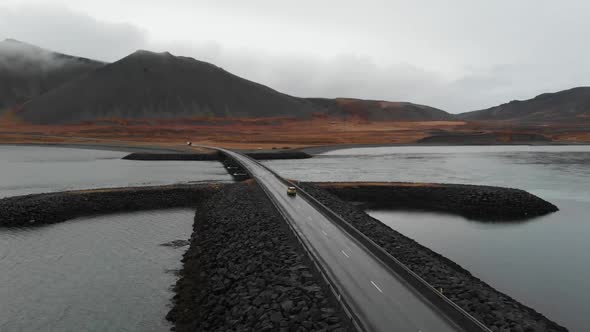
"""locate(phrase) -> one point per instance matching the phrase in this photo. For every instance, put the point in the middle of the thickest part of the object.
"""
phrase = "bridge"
(377, 292)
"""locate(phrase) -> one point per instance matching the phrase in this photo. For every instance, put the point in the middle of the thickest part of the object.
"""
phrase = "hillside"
(27, 71)
(571, 105)
(377, 110)
(160, 85)
(148, 85)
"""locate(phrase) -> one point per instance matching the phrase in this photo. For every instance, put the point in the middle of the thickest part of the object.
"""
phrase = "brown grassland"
(262, 133)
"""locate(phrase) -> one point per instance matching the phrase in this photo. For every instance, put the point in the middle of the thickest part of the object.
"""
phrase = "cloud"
(66, 31)
(458, 61)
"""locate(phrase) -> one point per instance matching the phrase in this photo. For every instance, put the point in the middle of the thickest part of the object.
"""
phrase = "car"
(291, 191)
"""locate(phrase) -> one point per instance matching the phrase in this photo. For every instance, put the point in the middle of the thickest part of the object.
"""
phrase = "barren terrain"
(269, 133)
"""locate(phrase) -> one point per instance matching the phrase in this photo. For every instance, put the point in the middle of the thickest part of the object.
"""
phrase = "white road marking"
(326, 234)
(345, 254)
(374, 284)
(309, 218)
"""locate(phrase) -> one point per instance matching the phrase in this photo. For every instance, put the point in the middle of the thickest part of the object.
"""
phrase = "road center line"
(345, 254)
(374, 284)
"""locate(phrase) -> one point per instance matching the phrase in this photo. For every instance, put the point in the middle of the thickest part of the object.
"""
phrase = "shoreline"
(311, 150)
(314, 150)
(100, 147)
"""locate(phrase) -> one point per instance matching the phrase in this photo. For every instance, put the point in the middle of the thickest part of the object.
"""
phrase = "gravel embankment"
(484, 203)
(497, 310)
(49, 208)
(271, 155)
(262, 155)
(172, 156)
(245, 271)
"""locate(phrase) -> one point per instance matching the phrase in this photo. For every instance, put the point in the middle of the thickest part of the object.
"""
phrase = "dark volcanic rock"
(495, 309)
(172, 156)
(484, 203)
(245, 271)
(265, 155)
(49, 208)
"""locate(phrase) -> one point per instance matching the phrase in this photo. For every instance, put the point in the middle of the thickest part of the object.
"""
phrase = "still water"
(33, 169)
(105, 273)
(544, 262)
(108, 273)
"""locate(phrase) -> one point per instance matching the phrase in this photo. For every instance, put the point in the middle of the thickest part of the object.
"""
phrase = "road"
(381, 300)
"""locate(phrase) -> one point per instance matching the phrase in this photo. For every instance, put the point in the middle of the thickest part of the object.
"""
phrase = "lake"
(103, 273)
(37, 169)
(543, 262)
(107, 273)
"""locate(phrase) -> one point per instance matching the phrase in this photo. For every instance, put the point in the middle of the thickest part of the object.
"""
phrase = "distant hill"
(384, 110)
(160, 85)
(27, 71)
(565, 106)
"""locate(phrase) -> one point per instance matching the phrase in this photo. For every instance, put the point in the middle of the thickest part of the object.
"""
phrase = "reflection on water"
(543, 263)
(106, 273)
(532, 262)
(34, 169)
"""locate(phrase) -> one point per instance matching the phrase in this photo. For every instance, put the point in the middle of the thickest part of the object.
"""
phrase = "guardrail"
(441, 302)
(451, 310)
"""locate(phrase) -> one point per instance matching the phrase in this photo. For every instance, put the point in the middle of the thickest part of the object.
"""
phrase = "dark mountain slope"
(160, 85)
(383, 110)
(147, 85)
(27, 71)
(565, 106)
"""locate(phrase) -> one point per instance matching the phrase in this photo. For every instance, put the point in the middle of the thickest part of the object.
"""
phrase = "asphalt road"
(381, 300)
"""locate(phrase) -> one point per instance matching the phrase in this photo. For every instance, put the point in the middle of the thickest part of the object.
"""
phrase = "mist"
(459, 65)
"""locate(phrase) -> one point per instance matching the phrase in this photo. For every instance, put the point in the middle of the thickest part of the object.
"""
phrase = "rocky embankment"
(484, 203)
(49, 208)
(171, 156)
(496, 310)
(245, 271)
(271, 155)
(262, 155)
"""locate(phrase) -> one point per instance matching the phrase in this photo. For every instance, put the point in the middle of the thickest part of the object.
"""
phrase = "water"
(107, 273)
(543, 262)
(35, 169)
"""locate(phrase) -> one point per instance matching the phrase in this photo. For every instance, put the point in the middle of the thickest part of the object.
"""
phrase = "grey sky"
(457, 55)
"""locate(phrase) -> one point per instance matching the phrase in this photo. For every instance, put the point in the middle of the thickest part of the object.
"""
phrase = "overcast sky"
(457, 55)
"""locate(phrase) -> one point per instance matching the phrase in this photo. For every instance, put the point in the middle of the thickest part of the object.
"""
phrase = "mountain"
(160, 85)
(571, 105)
(27, 71)
(148, 85)
(377, 110)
